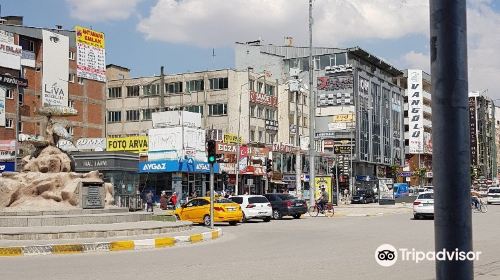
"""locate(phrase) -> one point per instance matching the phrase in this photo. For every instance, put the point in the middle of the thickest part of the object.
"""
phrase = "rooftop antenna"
(213, 58)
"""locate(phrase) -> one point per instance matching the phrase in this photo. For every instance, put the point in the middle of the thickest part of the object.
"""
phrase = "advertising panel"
(137, 144)
(11, 81)
(231, 138)
(335, 90)
(174, 118)
(5, 155)
(91, 54)
(166, 143)
(2, 106)
(7, 166)
(28, 59)
(93, 144)
(10, 55)
(320, 182)
(343, 118)
(55, 69)
(6, 37)
(263, 99)
(415, 112)
(7, 145)
(427, 143)
(385, 189)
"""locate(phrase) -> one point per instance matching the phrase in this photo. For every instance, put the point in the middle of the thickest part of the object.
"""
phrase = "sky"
(196, 35)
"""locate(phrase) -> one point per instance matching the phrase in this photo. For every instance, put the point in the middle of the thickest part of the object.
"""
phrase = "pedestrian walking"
(173, 199)
(163, 200)
(149, 201)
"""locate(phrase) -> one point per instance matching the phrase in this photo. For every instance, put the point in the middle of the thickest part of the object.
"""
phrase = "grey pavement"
(307, 248)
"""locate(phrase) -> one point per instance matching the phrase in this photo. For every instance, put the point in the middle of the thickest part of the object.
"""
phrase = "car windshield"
(426, 196)
(237, 199)
(223, 200)
(494, 191)
(257, 199)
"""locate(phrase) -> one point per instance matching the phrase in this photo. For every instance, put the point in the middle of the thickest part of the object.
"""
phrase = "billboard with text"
(55, 69)
(91, 54)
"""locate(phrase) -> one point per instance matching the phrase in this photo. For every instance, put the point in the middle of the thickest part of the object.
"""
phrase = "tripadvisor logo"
(387, 255)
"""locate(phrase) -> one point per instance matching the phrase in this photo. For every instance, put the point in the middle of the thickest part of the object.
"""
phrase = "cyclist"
(475, 198)
(323, 199)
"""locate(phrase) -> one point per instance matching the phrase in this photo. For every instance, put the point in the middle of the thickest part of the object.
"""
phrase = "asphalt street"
(309, 248)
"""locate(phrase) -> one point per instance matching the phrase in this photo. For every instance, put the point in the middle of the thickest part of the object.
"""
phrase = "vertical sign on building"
(415, 112)
(55, 69)
(2, 106)
(90, 54)
(473, 129)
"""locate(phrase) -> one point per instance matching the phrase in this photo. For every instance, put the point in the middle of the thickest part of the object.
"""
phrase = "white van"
(493, 195)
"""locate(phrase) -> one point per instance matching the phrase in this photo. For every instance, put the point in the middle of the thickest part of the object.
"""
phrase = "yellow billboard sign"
(89, 37)
(137, 144)
(343, 118)
(231, 138)
(323, 182)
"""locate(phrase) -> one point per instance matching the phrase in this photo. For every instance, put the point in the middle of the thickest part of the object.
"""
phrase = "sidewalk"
(372, 209)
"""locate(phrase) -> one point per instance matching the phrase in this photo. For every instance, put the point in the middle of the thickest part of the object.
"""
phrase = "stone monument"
(47, 180)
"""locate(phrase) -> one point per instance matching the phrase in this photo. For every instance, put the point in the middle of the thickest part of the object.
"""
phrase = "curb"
(121, 245)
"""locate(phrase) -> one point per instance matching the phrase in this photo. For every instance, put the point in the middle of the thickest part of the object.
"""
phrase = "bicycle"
(479, 207)
(314, 210)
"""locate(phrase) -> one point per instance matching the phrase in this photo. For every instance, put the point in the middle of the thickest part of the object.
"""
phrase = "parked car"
(400, 190)
(254, 207)
(364, 196)
(286, 205)
(198, 211)
(423, 206)
(493, 195)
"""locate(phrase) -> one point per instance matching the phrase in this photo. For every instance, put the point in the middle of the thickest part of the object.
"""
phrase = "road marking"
(121, 245)
(164, 242)
(194, 238)
(11, 251)
(67, 249)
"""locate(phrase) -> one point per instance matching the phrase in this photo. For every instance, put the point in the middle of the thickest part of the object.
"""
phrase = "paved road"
(309, 248)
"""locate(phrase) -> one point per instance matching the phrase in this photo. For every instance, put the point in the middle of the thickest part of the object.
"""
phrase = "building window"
(147, 114)
(252, 135)
(21, 98)
(260, 112)
(218, 83)
(259, 87)
(153, 89)
(114, 116)
(217, 109)
(9, 94)
(271, 138)
(132, 91)
(71, 55)
(80, 80)
(28, 45)
(71, 131)
(9, 123)
(305, 123)
(251, 85)
(71, 103)
(114, 92)
(175, 87)
(195, 109)
(71, 78)
(270, 114)
(132, 115)
(252, 111)
(270, 90)
(195, 85)
(260, 137)
(20, 126)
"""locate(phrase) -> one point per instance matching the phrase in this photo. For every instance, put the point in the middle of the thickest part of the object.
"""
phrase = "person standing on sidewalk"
(173, 199)
(149, 201)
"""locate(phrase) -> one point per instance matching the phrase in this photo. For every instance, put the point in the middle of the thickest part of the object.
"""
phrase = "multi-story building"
(417, 169)
(87, 96)
(359, 108)
(497, 142)
(482, 138)
(231, 103)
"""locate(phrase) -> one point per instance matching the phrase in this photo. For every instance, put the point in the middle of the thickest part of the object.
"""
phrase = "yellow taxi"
(198, 211)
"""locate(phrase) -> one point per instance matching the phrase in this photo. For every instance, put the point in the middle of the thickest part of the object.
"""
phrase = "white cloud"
(222, 22)
(417, 60)
(101, 10)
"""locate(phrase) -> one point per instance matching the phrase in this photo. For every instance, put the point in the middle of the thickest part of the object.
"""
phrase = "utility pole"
(162, 90)
(451, 138)
(312, 112)
(212, 196)
(297, 144)
(337, 180)
(20, 90)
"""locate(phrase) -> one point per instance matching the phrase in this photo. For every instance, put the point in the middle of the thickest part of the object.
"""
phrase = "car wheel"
(267, 219)
(296, 216)
(244, 219)
(233, 223)
(276, 214)
(489, 203)
(416, 217)
(206, 220)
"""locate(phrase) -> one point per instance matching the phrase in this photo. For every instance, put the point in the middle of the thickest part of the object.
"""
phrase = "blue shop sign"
(188, 165)
(7, 166)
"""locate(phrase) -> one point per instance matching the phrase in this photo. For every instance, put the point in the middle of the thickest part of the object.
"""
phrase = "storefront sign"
(136, 144)
(271, 125)
(223, 148)
(13, 81)
(345, 150)
(415, 112)
(7, 145)
(281, 147)
(5, 155)
(91, 144)
(93, 163)
(264, 99)
(188, 165)
(6, 37)
(7, 166)
(10, 55)
(328, 144)
(343, 118)
(231, 138)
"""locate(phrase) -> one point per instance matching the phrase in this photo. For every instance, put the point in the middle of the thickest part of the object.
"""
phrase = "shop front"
(184, 177)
